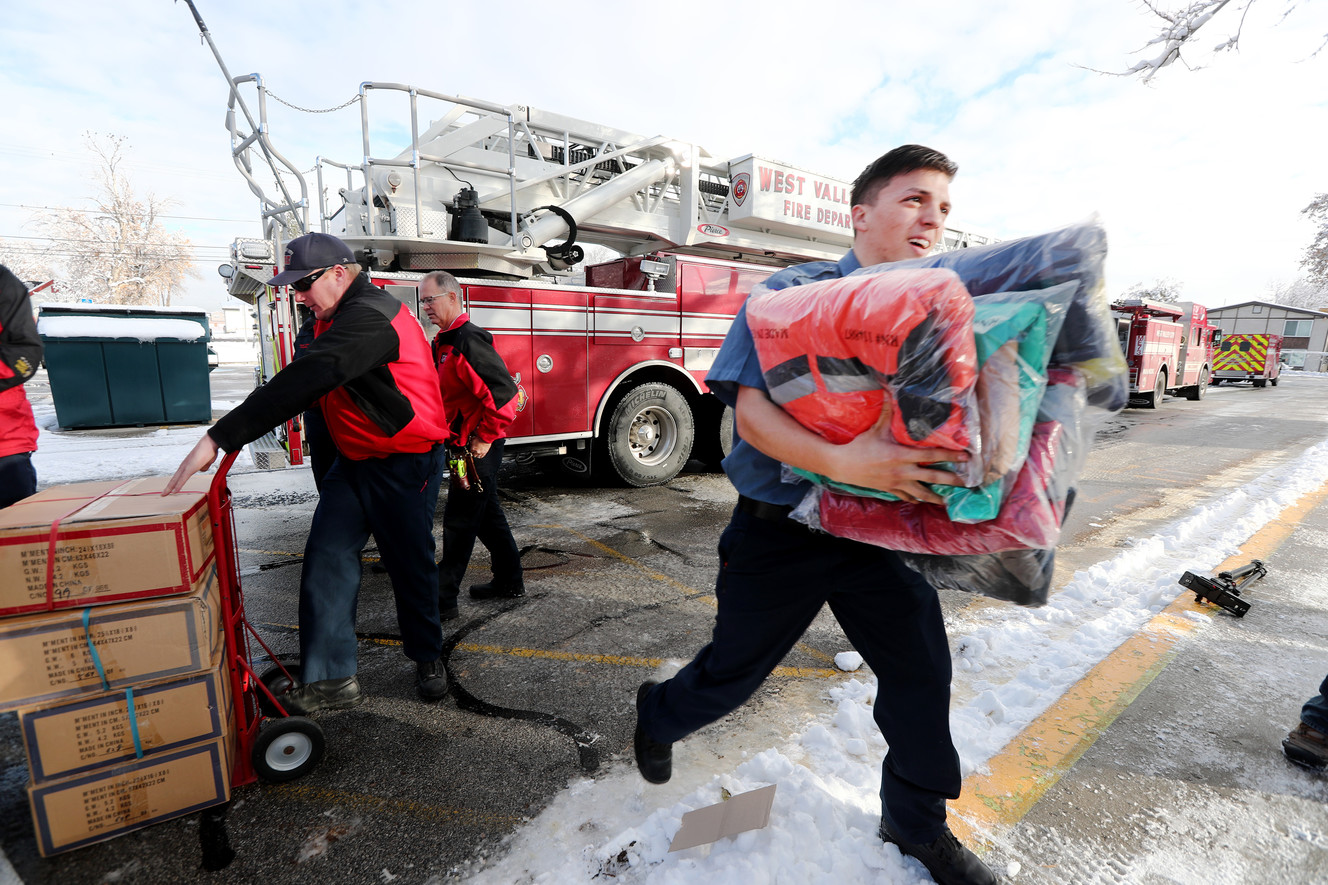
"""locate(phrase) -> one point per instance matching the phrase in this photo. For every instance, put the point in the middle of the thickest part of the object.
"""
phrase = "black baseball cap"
(309, 253)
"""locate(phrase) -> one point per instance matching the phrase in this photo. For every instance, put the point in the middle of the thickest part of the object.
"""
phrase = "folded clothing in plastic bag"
(1019, 576)
(1013, 333)
(833, 351)
(1010, 558)
(1030, 515)
(1076, 253)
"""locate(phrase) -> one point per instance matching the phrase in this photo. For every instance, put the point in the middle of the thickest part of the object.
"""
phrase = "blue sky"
(1199, 177)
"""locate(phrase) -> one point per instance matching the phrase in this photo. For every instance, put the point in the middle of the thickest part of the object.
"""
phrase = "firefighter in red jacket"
(479, 397)
(20, 354)
(370, 372)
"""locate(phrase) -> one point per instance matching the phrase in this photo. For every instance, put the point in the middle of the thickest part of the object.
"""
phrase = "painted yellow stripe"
(1044, 751)
(619, 660)
(686, 590)
(609, 660)
(616, 660)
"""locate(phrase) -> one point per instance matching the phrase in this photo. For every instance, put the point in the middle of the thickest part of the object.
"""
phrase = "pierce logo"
(521, 398)
(741, 183)
(712, 230)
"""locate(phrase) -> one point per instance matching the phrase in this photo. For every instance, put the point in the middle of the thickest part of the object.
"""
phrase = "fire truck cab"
(1168, 348)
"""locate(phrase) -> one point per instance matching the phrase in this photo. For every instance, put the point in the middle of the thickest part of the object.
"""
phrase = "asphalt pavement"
(1187, 770)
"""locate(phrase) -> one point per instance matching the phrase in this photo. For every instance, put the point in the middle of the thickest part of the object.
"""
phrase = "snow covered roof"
(1232, 307)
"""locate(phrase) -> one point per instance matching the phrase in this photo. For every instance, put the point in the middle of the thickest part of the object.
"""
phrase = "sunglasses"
(304, 284)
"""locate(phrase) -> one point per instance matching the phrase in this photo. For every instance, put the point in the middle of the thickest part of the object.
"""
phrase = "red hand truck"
(269, 743)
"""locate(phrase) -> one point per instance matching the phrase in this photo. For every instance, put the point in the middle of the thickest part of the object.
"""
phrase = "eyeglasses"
(432, 298)
(304, 284)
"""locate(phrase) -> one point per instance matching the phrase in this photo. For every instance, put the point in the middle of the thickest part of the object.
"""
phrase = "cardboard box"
(115, 542)
(76, 811)
(74, 738)
(49, 657)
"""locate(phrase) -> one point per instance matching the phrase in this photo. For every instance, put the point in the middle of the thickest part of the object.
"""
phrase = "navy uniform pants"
(774, 577)
(470, 515)
(18, 478)
(394, 499)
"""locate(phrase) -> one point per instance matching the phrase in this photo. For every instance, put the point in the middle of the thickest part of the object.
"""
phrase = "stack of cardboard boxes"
(116, 665)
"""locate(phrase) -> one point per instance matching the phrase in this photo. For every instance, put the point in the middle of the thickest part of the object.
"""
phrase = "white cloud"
(1199, 177)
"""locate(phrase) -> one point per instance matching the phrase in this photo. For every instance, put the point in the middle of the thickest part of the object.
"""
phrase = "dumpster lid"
(141, 328)
(81, 308)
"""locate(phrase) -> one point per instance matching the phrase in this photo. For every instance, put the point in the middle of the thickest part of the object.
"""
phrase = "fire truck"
(609, 359)
(1168, 348)
(1245, 357)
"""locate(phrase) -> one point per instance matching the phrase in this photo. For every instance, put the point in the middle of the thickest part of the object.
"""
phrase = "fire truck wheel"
(1154, 399)
(1197, 391)
(726, 431)
(287, 748)
(649, 435)
(1260, 382)
(714, 431)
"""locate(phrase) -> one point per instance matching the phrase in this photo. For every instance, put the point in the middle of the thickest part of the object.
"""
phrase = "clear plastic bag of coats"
(1076, 253)
(832, 352)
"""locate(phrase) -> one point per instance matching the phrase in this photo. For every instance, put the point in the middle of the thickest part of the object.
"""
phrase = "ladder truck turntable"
(610, 371)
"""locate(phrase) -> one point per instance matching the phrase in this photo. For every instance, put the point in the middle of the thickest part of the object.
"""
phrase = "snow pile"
(144, 330)
(1011, 664)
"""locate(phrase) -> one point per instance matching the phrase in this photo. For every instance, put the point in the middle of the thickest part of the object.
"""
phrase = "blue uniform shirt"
(753, 473)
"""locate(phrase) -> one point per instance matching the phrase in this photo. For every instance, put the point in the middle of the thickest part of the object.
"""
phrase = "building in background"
(234, 335)
(1304, 332)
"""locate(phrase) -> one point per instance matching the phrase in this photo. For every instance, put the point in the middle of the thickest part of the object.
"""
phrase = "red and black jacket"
(479, 394)
(20, 355)
(370, 372)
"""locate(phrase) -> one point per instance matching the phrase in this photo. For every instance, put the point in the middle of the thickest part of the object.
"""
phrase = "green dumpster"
(119, 366)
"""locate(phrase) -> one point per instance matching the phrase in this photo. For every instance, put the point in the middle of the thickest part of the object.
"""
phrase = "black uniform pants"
(774, 577)
(469, 515)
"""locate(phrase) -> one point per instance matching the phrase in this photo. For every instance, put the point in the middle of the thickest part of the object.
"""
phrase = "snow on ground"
(1010, 663)
(81, 456)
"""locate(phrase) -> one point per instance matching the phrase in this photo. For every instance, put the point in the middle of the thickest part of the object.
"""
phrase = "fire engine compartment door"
(628, 328)
(505, 313)
(560, 355)
(711, 295)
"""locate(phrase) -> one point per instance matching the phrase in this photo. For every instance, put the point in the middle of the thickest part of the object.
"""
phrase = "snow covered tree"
(1167, 289)
(1315, 261)
(1299, 293)
(117, 252)
(1181, 28)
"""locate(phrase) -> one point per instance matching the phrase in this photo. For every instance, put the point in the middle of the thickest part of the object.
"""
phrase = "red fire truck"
(1168, 348)
(609, 362)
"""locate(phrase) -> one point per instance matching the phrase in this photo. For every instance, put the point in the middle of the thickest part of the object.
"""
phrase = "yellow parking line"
(617, 660)
(1049, 746)
(687, 591)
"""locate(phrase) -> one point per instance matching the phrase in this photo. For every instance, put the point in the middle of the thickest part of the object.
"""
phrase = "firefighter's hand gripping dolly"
(1224, 590)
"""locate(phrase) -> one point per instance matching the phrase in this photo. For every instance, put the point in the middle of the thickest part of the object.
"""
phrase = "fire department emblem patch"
(521, 398)
(741, 182)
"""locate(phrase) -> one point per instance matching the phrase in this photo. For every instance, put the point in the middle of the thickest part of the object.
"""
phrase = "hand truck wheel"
(287, 748)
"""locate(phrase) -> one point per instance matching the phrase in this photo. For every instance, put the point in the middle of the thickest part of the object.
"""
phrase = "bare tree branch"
(1315, 261)
(1180, 28)
(119, 252)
